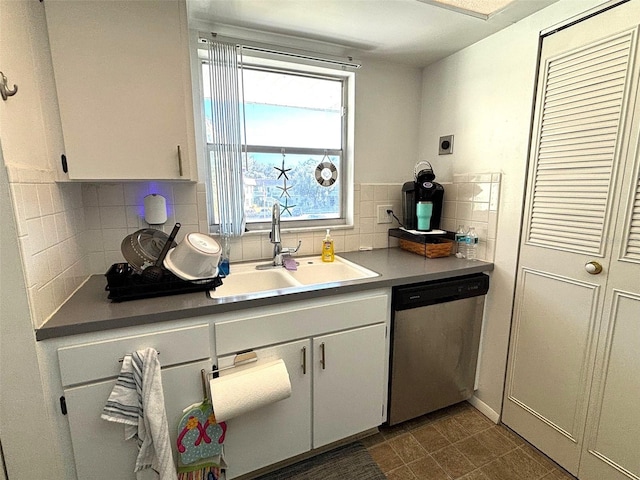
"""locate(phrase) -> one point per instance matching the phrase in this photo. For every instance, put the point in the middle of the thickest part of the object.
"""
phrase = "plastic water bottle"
(460, 238)
(471, 244)
(223, 265)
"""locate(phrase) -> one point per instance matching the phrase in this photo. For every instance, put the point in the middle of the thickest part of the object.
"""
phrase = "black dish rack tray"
(123, 283)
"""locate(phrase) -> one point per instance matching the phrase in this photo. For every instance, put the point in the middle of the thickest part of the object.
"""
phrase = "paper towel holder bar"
(121, 359)
(241, 358)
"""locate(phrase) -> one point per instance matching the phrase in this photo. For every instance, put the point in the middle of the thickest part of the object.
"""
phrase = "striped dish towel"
(137, 401)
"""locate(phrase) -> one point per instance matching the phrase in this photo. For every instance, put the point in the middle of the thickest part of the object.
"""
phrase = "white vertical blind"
(582, 113)
(225, 153)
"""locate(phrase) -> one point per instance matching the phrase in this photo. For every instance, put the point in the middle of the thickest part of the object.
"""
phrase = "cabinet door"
(278, 431)
(99, 448)
(122, 76)
(29, 121)
(348, 390)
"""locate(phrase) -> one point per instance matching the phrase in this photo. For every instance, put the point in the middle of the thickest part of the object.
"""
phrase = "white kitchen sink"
(246, 279)
(312, 271)
(252, 280)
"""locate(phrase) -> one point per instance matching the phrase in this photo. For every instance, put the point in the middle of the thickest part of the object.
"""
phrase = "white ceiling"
(403, 31)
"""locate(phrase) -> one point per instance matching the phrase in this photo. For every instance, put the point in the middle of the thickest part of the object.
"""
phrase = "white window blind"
(225, 150)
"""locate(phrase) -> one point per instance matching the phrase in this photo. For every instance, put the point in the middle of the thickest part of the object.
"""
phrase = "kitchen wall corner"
(52, 236)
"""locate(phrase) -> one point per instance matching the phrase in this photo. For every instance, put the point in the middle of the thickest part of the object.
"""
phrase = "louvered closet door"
(612, 443)
(580, 146)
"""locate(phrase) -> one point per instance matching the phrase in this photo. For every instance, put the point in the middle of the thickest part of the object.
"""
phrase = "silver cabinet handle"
(179, 160)
(593, 267)
(322, 359)
(304, 360)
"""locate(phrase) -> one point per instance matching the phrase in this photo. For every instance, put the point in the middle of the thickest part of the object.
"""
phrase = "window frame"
(295, 66)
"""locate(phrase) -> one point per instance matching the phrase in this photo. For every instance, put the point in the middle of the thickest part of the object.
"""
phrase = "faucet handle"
(290, 250)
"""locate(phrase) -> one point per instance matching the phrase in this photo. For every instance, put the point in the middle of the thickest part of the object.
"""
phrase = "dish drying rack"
(123, 283)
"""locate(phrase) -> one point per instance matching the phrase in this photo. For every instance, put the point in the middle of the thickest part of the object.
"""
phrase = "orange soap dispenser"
(328, 254)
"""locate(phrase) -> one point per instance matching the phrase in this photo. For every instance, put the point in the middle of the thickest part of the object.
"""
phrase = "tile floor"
(458, 443)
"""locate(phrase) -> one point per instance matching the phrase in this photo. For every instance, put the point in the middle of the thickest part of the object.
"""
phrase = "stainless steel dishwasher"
(435, 340)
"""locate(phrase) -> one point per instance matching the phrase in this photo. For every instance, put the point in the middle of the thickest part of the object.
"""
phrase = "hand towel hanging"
(137, 401)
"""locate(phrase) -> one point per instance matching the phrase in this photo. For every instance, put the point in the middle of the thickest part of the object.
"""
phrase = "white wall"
(387, 122)
(24, 424)
(483, 95)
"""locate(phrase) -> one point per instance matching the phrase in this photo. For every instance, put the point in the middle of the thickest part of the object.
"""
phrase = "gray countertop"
(89, 309)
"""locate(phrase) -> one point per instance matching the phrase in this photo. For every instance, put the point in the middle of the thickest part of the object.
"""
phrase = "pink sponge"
(290, 263)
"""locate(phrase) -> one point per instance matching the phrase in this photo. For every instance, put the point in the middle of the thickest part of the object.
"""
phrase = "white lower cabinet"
(99, 448)
(338, 380)
(335, 350)
(88, 373)
(278, 431)
(348, 383)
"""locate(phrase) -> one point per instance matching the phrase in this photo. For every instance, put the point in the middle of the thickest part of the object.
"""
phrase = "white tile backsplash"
(481, 192)
(30, 200)
(367, 192)
(113, 216)
(367, 209)
(480, 212)
(50, 218)
(472, 200)
(68, 231)
(380, 192)
(134, 193)
(465, 192)
(45, 200)
(110, 194)
(90, 195)
(184, 194)
(464, 211)
(186, 203)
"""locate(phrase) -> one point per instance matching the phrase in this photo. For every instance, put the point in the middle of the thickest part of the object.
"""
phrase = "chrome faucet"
(274, 237)
(275, 226)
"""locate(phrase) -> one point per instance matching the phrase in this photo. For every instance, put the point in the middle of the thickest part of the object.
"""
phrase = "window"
(296, 142)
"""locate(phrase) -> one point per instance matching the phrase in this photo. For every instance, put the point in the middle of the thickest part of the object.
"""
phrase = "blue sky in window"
(273, 125)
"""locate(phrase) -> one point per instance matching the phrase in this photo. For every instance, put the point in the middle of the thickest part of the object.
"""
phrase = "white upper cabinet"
(123, 81)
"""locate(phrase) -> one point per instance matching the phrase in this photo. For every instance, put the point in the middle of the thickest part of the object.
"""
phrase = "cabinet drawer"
(100, 360)
(300, 322)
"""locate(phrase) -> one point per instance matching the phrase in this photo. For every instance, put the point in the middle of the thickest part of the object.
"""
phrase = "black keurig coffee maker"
(422, 200)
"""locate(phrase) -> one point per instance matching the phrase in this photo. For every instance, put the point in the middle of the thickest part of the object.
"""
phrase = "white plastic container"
(195, 258)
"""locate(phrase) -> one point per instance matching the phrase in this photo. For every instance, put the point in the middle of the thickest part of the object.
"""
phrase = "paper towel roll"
(240, 392)
(155, 209)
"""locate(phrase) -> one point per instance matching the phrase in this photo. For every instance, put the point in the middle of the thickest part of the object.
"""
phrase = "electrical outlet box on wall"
(445, 146)
(383, 216)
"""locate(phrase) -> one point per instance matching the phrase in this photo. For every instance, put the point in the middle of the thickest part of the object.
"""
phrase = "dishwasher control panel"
(439, 291)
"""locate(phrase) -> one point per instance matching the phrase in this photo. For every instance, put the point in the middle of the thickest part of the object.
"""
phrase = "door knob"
(593, 267)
